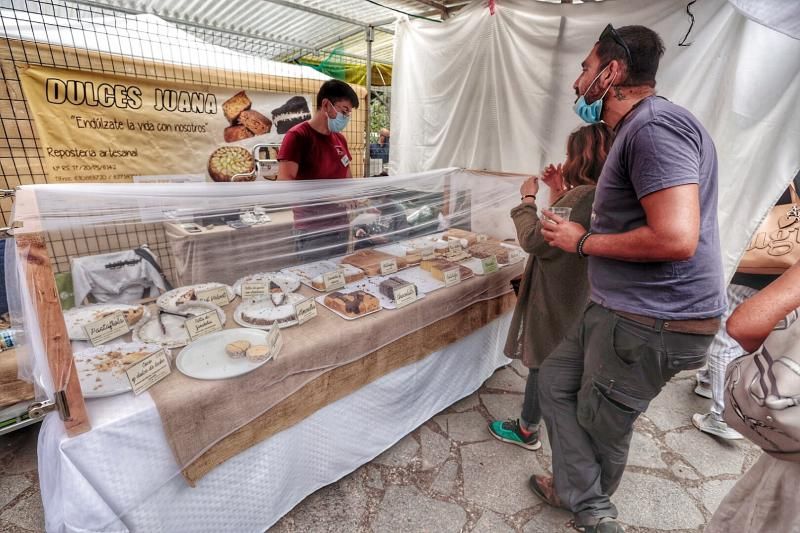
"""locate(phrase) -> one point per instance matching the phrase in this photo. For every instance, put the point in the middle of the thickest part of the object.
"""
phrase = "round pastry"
(257, 353)
(228, 161)
(261, 315)
(237, 349)
(255, 122)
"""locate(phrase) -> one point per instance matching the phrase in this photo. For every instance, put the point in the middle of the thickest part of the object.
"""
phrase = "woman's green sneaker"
(509, 431)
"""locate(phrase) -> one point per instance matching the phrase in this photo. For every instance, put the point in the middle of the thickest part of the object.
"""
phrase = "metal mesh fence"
(86, 37)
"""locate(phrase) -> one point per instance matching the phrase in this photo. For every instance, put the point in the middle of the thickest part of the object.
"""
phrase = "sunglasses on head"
(610, 32)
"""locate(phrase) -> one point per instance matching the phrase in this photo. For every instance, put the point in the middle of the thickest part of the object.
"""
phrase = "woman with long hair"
(555, 287)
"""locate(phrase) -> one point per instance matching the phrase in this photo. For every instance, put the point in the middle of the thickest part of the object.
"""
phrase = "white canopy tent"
(506, 103)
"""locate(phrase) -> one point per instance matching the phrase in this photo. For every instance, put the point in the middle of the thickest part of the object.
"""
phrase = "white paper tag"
(454, 245)
(405, 295)
(107, 328)
(254, 290)
(427, 252)
(345, 160)
(515, 255)
(305, 310)
(148, 371)
(388, 266)
(490, 264)
(452, 277)
(482, 237)
(274, 340)
(333, 280)
(218, 296)
(203, 324)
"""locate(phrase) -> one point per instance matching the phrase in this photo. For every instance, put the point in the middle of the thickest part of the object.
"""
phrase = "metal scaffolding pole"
(370, 37)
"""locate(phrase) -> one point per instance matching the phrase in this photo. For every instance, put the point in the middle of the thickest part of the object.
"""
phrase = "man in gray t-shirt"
(655, 270)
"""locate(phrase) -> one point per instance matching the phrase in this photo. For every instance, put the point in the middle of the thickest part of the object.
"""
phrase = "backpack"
(762, 399)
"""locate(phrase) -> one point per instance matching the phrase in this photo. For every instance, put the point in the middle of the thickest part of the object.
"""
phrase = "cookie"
(237, 349)
(228, 161)
(255, 122)
(257, 353)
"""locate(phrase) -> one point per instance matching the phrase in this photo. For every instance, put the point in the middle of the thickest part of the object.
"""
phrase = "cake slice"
(234, 105)
(352, 304)
(482, 250)
(389, 285)
(437, 267)
(455, 233)
(370, 261)
(255, 122)
(292, 113)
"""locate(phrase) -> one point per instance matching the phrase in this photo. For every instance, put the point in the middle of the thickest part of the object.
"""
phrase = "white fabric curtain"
(495, 92)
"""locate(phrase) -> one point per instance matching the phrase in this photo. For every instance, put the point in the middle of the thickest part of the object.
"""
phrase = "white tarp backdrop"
(495, 92)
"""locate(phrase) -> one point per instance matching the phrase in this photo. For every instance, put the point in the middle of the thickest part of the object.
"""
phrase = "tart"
(229, 161)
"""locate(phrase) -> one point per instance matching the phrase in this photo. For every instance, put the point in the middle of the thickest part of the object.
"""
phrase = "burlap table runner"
(198, 414)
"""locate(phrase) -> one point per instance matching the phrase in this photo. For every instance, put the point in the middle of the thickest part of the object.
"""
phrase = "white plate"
(205, 358)
(77, 317)
(292, 299)
(373, 286)
(176, 335)
(287, 281)
(168, 300)
(97, 383)
(321, 301)
(309, 271)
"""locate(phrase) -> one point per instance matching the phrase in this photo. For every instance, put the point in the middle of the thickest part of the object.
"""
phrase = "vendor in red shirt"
(313, 150)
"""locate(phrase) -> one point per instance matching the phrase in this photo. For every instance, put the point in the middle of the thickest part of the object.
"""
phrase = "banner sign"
(97, 127)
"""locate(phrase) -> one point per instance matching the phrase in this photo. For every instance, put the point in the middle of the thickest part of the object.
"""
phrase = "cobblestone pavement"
(450, 475)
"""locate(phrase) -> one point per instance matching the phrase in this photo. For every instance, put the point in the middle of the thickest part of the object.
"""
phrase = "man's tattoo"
(618, 94)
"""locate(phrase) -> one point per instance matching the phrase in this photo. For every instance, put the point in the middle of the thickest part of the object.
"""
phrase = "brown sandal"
(543, 487)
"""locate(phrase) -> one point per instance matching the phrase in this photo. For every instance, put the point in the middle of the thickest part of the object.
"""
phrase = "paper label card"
(452, 277)
(254, 290)
(405, 295)
(305, 310)
(107, 328)
(148, 371)
(482, 237)
(274, 340)
(454, 245)
(333, 280)
(515, 255)
(490, 264)
(388, 266)
(204, 324)
(218, 296)
(427, 252)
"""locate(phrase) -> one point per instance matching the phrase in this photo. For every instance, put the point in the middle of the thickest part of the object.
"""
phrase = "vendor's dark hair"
(646, 49)
(335, 90)
(587, 149)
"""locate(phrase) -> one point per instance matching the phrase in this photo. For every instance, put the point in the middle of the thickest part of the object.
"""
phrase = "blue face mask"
(591, 113)
(339, 123)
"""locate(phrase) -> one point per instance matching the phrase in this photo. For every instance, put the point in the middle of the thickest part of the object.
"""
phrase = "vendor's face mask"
(338, 123)
(591, 113)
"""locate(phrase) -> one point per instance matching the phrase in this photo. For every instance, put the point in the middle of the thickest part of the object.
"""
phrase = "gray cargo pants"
(592, 389)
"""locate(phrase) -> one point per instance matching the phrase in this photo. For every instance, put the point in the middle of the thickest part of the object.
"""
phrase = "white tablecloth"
(121, 476)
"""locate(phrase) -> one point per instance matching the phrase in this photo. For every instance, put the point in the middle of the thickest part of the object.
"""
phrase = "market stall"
(181, 387)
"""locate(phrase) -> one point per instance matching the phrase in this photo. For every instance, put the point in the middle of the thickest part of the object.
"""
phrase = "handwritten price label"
(148, 371)
(203, 325)
(254, 290)
(489, 264)
(333, 280)
(405, 295)
(107, 328)
(389, 266)
(305, 310)
(452, 277)
(218, 296)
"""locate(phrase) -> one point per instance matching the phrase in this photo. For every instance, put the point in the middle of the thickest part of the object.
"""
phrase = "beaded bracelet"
(528, 196)
(581, 242)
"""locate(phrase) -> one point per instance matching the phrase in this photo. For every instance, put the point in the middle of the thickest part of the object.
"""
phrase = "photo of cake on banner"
(249, 143)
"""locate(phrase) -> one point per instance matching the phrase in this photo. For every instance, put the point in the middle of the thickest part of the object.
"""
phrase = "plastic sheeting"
(254, 228)
(483, 91)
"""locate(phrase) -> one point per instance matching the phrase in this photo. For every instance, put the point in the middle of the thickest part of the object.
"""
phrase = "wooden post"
(32, 251)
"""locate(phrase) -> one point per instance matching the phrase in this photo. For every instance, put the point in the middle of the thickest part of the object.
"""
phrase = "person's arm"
(287, 170)
(289, 155)
(663, 163)
(754, 319)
